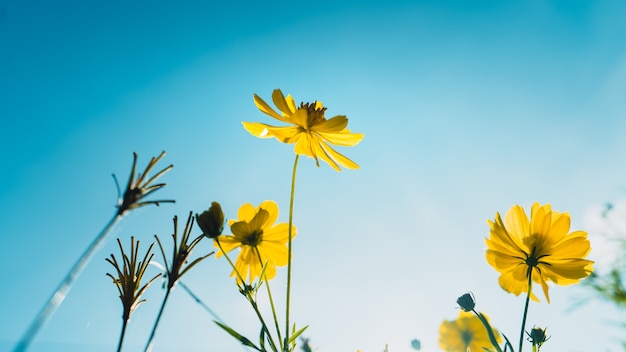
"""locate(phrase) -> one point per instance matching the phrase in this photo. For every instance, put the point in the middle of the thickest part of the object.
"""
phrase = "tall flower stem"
(200, 302)
(64, 287)
(269, 295)
(492, 336)
(119, 345)
(250, 299)
(288, 299)
(530, 283)
(158, 318)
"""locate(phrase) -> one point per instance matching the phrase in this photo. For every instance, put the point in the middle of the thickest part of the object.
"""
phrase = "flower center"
(253, 239)
(533, 259)
(315, 112)
(466, 337)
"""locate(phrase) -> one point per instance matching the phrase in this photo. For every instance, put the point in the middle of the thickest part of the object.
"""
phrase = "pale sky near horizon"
(467, 107)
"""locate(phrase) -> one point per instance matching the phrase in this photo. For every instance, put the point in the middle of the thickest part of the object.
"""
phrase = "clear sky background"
(468, 107)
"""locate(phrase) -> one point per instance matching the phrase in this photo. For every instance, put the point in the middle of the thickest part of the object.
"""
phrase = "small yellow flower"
(540, 247)
(466, 332)
(311, 132)
(259, 238)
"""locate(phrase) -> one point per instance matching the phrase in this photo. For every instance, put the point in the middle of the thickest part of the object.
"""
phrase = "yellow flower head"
(466, 332)
(260, 240)
(311, 132)
(540, 248)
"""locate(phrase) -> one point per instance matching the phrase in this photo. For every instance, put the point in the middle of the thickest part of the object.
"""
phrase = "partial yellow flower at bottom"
(465, 333)
(310, 131)
(259, 240)
(542, 248)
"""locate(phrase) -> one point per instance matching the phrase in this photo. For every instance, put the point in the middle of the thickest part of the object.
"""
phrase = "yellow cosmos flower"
(259, 238)
(540, 248)
(466, 333)
(311, 132)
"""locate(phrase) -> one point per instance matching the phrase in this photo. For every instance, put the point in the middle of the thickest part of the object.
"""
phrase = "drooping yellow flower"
(465, 333)
(311, 131)
(259, 239)
(541, 247)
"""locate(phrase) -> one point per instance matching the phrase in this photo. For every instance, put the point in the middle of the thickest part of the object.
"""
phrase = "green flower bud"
(466, 302)
(211, 221)
(537, 336)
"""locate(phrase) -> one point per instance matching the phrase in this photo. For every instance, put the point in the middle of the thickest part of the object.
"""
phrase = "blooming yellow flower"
(465, 333)
(540, 247)
(259, 238)
(311, 132)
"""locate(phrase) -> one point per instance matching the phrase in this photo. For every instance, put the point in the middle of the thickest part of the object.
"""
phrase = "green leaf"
(238, 336)
(262, 338)
(295, 335)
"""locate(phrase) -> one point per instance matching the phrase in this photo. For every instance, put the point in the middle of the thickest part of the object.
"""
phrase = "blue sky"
(467, 109)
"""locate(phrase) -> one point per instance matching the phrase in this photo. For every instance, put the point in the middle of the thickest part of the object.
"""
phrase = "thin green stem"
(158, 319)
(258, 314)
(492, 336)
(269, 294)
(288, 299)
(230, 261)
(65, 286)
(250, 299)
(530, 283)
(200, 302)
(119, 345)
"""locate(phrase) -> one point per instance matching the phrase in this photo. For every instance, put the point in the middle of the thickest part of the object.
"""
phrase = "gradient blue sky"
(468, 107)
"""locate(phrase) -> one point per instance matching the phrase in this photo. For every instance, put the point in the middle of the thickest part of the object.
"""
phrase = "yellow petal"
(567, 272)
(246, 212)
(335, 124)
(279, 233)
(344, 138)
(279, 100)
(277, 253)
(262, 105)
(228, 244)
(576, 247)
(320, 152)
(502, 262)
(541, 219)
(516, 223)
(257, 222)
(303, 147)
(256, 129)
(287, 134)
(301, 118)
(272, 210)
(544, 285)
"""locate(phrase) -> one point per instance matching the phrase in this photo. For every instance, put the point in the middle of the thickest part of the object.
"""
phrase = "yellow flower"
(466, 332)
(259, 238)
(541, 248)
(311, 132)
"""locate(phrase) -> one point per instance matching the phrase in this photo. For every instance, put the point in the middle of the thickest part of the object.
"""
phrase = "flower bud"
(537, 336)
(211, 221)
(466, 302)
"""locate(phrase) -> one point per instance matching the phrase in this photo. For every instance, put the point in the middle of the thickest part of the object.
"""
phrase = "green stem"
(269, 294)
(158, 319)
(492, 336)
(250, 299)
(230, 261)
(530, 283)
(258, 314)
(288, 299)
(200, 302)
(65, 286)
(119, 345)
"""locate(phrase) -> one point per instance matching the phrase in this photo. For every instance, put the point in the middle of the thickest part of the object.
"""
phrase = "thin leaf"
(295, 335)
(238, 336)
